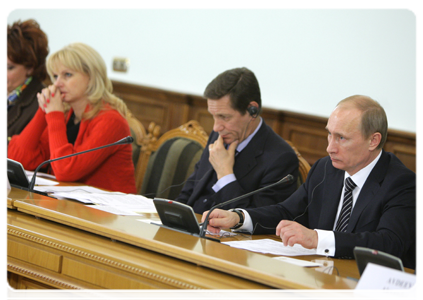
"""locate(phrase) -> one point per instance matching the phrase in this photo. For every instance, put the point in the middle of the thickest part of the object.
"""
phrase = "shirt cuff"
(325, 242)
(223, 181)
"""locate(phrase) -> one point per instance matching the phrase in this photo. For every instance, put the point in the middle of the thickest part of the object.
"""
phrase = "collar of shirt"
(359, 179)
(361, 176)
(245, 142)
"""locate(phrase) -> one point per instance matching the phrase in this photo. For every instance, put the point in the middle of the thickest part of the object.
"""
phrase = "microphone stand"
(126, 140)
(287, 179)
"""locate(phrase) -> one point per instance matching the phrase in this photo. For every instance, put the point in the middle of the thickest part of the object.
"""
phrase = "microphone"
(287, 179)
(126, 140)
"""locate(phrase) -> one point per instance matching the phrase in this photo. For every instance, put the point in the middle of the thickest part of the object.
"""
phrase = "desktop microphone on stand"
(287, 179)
(126, 140)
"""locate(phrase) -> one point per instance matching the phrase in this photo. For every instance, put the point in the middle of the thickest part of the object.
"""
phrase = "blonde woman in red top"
(78, 112)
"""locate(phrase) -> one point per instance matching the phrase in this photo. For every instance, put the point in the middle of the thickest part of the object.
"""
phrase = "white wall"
(305, 60)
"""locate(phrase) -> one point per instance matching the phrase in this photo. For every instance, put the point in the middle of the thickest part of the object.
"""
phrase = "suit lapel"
(370, 190)
(207, 172)
(204, 181)
(246, 159)
(332, 188)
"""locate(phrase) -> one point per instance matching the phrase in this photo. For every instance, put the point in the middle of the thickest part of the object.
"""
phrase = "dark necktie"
(236, 151)
(344, 216)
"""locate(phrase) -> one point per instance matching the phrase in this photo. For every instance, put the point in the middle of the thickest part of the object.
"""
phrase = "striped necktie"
(344, 216)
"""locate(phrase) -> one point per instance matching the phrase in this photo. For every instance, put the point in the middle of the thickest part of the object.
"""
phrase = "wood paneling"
(403, 145)
(167, 109)
(171, 109)
(29, 290)
(36, 256)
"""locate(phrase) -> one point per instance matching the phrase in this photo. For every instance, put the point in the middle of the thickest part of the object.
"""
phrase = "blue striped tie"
(344, 216)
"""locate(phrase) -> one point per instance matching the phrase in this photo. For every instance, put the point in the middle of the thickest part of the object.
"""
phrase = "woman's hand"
(50, 100)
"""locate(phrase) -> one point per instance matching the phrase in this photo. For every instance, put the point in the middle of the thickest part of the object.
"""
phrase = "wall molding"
(171, 109)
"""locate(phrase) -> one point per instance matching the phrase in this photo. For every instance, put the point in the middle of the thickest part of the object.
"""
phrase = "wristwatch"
(241, 218)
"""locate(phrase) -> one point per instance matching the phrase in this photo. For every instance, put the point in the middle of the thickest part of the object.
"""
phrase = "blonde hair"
(82, 58)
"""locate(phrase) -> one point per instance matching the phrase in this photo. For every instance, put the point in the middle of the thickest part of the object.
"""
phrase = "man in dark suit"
(242, 153)
(379, 210)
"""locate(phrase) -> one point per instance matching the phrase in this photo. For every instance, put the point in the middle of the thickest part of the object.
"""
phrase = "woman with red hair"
(27, 49)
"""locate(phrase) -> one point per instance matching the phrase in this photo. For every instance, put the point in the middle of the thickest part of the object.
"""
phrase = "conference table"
(65, 244)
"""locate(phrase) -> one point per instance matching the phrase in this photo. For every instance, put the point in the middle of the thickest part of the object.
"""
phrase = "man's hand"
(221, 159)
(294, 233)
(220, 219)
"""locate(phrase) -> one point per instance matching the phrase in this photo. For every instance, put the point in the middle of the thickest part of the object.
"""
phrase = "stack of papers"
(113, 202)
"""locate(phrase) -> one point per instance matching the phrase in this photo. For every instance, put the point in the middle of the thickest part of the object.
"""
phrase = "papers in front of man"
(270, 246)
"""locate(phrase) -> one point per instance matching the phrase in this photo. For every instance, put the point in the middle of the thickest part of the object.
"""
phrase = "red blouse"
(45, 138)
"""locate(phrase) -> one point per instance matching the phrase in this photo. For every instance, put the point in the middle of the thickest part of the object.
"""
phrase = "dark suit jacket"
(19, 115)
(266, 159)
(383, 218)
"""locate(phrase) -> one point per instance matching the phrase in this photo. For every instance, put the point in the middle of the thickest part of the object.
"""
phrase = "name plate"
(382, 283)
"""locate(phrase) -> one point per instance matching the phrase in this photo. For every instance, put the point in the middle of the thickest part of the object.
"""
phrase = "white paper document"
(113, 202)
(124, 201)
(43, 181)
(271, 247)
(69, 189)
(40, 174)
(41, 178)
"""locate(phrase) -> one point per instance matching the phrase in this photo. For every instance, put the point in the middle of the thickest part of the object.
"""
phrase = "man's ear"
(253, 109)
(375, 139)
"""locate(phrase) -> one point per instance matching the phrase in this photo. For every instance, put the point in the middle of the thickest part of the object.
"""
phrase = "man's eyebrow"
(333, 133)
